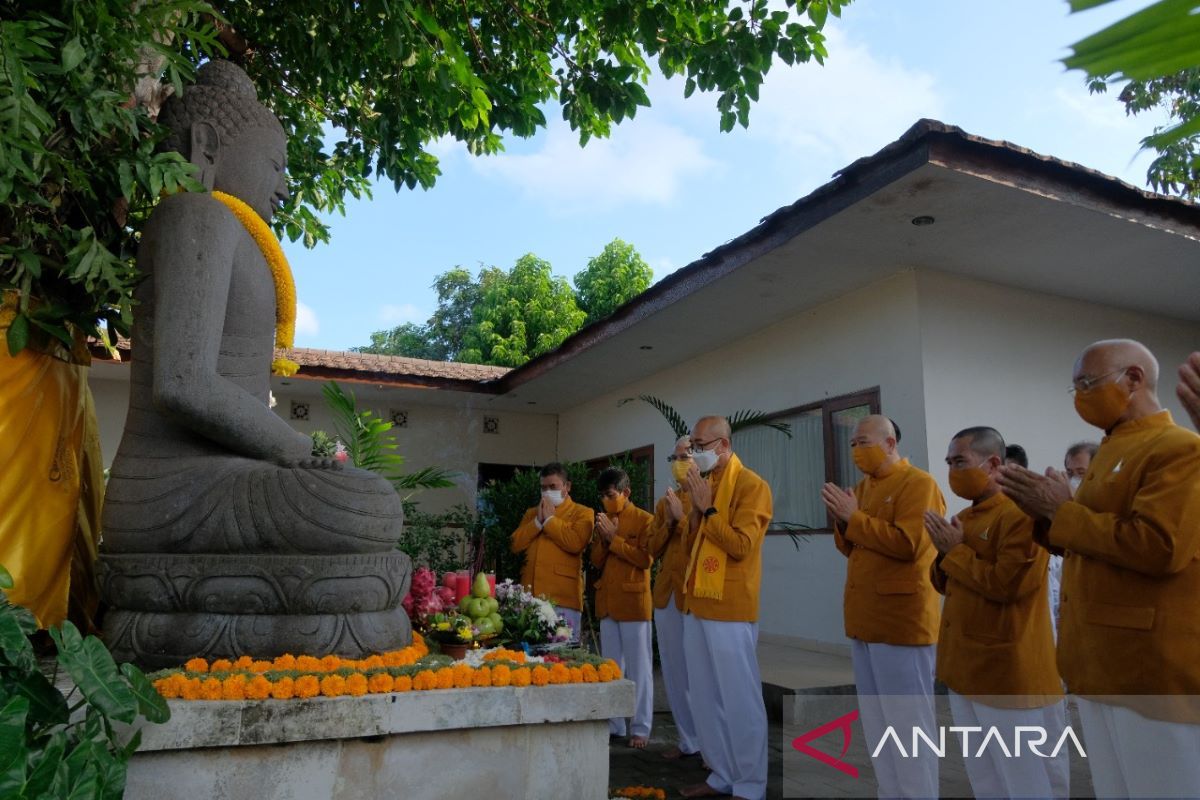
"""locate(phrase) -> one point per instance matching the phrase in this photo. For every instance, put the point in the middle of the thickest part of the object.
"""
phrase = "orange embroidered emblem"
(711, 565)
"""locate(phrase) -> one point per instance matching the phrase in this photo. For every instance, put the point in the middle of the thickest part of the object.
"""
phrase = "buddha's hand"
(312, 462)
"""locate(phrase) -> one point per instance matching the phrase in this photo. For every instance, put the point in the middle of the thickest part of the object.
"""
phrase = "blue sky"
(675, 187)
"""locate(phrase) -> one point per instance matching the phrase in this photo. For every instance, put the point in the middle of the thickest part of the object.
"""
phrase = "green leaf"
(45, 766)
(72, 54)
(6, 579)
(18, 334)
(92, 668)
(13, 749)
(152, 705)
(47, 706)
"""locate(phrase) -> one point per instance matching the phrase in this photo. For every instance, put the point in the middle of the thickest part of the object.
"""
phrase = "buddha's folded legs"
(227, 504)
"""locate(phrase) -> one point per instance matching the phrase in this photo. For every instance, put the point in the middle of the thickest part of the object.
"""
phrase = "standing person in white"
(623, 597)
(668, 533)
(731, 511)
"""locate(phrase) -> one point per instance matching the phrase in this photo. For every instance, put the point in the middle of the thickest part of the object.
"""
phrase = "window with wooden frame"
(817, 452)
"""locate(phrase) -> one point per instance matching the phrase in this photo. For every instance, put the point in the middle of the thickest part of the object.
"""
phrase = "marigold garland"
(648, 792)
(281, 274)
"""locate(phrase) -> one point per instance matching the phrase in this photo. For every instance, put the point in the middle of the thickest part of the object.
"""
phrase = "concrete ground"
(815, 680)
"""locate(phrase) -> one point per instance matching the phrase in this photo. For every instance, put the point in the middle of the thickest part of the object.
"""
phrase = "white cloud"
(306, 320)
(400, 314)
(644, 161)
(846, 109)
(662, 267)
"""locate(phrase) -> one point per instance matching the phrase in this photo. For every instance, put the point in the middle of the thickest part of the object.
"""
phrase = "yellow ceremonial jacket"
(623, 591)
(740, 535)
(669, 543)
(1130, 603)
(553, 560)
(888, 596)
(996, 643)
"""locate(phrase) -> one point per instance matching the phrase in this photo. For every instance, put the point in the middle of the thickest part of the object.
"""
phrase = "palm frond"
(743, 419)
(366, 436)
(674, 418)
(794, 530)
(426, 478)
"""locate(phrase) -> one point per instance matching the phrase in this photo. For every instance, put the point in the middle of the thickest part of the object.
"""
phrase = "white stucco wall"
(864, 339)
(1003, 357)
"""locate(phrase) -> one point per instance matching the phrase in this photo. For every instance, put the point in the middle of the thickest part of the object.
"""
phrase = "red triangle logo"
(842, 723)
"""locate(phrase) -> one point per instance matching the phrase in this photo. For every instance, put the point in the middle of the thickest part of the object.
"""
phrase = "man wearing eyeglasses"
(731, 509)
(1129, 635)
(891, 609)
(668, 534)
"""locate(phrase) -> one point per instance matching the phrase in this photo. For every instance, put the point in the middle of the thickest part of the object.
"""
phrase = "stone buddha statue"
(223, 536)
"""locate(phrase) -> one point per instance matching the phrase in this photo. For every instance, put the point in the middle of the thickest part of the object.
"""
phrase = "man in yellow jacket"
(1129, 635)
(890, 607)
(995, 652)
(553, 535)
(668, 542)
(731, 511)
(621, 550)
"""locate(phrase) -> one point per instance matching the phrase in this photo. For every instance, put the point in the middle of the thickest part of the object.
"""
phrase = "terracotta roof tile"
(392, 365)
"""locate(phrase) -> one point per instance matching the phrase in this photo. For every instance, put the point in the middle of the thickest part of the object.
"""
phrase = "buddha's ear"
(206, 146)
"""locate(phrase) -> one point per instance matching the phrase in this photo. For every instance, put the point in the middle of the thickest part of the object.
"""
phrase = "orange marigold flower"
(210, 689)
(372, 662)
(425, 679)
(307, 664)
(221, 665)
(540, 676)
(445, 678)
(261, 666)
(576, 675)
(306, 686)
(605, 672)
(464, 676)
(482, 677)
(616, 668)
(520, 676)
(330, 663)
(380, 683)
(402, 684)
(356, 685)
(196, 665)
(259, 688)
(418, 639)
(560, 674)
(285, 661)
(243, 662)
(333, 686)
(283, 689)
(167, 687)
(233, 690)
(589, 673)
(191, 689)
(395, 658)
(501, 675)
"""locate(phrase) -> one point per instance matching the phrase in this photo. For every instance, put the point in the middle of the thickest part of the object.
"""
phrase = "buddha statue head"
(236, 143)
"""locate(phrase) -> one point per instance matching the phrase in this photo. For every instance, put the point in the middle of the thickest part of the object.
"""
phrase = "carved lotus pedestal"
(165, 609)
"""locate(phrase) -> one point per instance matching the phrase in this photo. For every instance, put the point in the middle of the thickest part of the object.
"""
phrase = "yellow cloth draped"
(707, 563)
(51, 479)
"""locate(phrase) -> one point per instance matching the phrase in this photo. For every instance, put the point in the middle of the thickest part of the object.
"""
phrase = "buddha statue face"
(251, 168)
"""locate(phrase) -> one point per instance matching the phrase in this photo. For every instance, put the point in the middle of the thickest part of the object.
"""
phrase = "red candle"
(491, 576)
(462, 586)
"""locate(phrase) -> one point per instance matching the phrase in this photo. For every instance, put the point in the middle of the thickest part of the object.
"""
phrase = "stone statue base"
(166, 609)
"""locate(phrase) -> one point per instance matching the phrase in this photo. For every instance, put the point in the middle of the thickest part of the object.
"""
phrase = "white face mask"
(554, 496)
(1075, 482)
(705, 460)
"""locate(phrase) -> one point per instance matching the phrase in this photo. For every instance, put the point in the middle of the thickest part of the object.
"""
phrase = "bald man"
(995, 652)
(668, 543)
(890, 607)
(1129, 636)
(731, 510)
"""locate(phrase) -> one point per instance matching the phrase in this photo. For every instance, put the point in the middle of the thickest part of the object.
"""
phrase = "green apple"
(478, 608)
(485, 626)
(465, 603)
(493, 604)
(497, 623)
(481, 587)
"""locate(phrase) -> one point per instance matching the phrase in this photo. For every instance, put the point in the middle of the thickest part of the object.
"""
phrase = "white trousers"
(1137, 757)
(992, 773)
(725, 695)
(629, 644)
(895, 688)
(669, 624)
(573, 619)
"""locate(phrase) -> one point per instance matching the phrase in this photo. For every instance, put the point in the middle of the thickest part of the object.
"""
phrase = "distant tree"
(525, 313)
(610, 279)
(410, 339)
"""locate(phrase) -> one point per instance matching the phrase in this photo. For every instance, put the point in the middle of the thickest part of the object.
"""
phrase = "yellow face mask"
(968, 483)
(679, 470)
(614, 505)
(1102, 405)
(868, 457)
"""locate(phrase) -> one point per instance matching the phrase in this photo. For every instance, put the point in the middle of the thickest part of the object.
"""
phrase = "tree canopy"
(610, 279)
(361, 88)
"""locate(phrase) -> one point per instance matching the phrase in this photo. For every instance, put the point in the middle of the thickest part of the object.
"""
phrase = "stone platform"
(528, 742)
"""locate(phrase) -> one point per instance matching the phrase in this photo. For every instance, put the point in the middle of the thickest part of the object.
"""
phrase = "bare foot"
(700, 790)
(637, 742)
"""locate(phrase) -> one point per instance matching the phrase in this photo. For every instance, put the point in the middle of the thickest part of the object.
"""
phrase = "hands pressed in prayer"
(1039, 496)
(699, 489)
(606, 527)
(545, 510)
(945, 535)
(841, 502)
(674, 507)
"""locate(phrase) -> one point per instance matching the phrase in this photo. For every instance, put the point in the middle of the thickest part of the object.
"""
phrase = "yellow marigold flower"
(520, 676)
(196, 665)
(560, 674)
(307, 686)
(576, 675)
(501, 675)
(482, 677)
(380, 683)
(356, 685)
(333, 686)
(445, 678)
(259, 688)
(589, 673)
(605, 672)
(283, 689)
(210, 689)
(221, 665)
(540, 676)
(330, 663)
(402, 684)
(285, 661)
